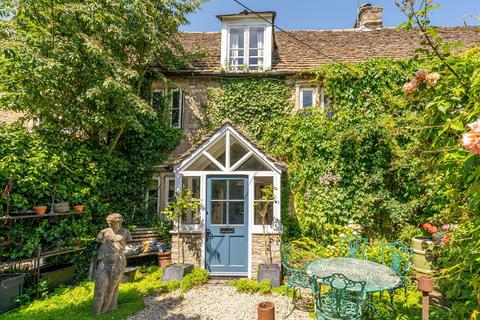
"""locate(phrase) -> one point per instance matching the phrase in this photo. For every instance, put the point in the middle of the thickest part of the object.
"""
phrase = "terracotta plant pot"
(164, 259)
(266, 310)
(79, 208)
(40, 210)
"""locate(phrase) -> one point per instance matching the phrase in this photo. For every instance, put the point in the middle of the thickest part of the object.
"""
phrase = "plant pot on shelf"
(11, 286)
(269, 271)
(164, 259)
(79, 208)
(176, 271)
(423, 255)
(40, 210)
(61, 207)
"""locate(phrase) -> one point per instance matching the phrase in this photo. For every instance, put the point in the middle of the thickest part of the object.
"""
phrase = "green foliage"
(76, 302)
(358, 165)
(250, 103)
(195, 278)
(81, 66)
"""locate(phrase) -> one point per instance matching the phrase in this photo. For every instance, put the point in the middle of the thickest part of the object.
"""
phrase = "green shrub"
(193, 279)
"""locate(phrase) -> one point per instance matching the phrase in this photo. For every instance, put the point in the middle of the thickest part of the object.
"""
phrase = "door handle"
(209, 233)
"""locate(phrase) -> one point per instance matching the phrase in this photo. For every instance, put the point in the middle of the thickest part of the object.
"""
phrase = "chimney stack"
(369, 17)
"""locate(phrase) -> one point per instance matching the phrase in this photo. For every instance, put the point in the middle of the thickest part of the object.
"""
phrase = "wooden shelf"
(32, 216)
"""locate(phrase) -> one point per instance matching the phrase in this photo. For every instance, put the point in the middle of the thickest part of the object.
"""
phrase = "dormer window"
(246, 44)
(247, 41)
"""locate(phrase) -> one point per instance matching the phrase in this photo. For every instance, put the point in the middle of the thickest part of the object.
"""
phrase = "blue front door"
(227, 225)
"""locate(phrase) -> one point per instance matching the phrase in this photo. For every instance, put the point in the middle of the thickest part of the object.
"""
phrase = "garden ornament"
(110, 264)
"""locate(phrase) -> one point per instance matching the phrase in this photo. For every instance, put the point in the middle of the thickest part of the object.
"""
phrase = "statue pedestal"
(176, 272)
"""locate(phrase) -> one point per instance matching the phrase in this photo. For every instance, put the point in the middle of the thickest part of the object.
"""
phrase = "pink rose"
(475, 126)
(408, 87)
(445, 227)
(421, 75)
(432, 78)
(471, 142)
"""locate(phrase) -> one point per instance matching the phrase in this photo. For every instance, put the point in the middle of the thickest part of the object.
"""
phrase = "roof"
(352, 45)
(227, 123)
(247, 13)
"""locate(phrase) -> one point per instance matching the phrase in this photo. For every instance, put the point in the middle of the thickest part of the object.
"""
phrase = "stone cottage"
(225, 168)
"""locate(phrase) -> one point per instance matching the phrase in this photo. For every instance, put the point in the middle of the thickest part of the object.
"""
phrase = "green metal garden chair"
(337, 297)
(295, 273)
(399, 258)
(354, 245)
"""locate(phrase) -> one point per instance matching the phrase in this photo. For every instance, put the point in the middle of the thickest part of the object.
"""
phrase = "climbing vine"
(250, 103)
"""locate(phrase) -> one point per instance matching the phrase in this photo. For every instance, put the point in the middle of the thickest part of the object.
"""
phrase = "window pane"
(307, 98)
(236, 38)
(237, 151)
(157, 101)
(262, 207)
(236, 189)
(252, 164)
(261, 183)
(256, 37)
(176, 117)
(176, 99)
(171, 189)
(218, 150)
(219, 189)
(202, 164)
(219, 212)
(236, 212)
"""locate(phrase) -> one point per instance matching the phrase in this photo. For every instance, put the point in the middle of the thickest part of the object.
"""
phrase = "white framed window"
(192, 183)
(246, 47)
(176, 107)
(259, 204)
(308, 97)
(169, 189)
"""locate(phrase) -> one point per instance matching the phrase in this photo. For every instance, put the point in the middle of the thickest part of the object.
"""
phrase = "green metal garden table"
(377, 277)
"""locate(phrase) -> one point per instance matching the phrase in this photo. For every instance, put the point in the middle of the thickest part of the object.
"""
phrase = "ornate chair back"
(296, 276)
(337, 297)
(352, 246)
(397, 256)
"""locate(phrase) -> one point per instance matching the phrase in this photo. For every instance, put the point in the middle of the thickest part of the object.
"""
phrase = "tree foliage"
(81, 65)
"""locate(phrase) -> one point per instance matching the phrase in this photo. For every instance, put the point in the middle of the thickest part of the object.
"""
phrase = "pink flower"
(408, 87)
(432, 78)
(475, 126)
(445, 227)
(421, 75)
(471, 142)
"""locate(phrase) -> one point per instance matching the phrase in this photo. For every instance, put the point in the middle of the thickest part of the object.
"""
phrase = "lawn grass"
(76, 302)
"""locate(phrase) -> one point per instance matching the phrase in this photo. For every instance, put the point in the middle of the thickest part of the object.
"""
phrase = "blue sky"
(326, 14)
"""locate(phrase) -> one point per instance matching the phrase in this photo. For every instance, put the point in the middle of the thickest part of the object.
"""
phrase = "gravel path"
(213, 302)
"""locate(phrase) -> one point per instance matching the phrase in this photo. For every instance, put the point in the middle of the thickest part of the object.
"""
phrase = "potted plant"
(267, 270)
(184, 203)
(40, 209)
(77, 201)
(423, 246)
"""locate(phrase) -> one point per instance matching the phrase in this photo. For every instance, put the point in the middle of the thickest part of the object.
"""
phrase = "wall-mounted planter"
(57, 275)
(176, 272)
(11, 286)
(40, 210)
(269, 272)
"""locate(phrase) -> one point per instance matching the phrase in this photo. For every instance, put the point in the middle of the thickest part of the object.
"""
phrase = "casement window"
(308, 97)
(191, 183)
(246, 47)
(177, 101)
(176, 108)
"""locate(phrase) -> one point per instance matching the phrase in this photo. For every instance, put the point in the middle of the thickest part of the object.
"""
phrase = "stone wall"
(190, 246)
(258, 252)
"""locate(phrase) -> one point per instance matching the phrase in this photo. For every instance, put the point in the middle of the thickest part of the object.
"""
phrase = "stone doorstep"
(222, 280)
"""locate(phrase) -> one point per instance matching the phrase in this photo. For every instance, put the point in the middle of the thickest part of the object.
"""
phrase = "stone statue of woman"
(110, 264)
